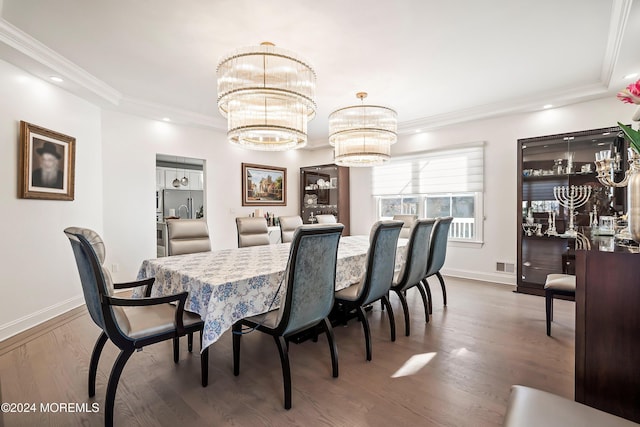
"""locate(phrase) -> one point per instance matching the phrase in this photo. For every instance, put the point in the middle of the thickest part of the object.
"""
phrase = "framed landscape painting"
(47, 164)
(263, 185)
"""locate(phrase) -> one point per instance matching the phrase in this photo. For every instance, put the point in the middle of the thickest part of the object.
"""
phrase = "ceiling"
(437, 63)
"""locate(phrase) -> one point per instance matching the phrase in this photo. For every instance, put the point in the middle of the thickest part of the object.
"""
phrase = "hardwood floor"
(456, 370)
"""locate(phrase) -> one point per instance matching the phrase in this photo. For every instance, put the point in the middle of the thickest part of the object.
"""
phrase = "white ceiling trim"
(179, 116)
(620, 12)
(58, 64)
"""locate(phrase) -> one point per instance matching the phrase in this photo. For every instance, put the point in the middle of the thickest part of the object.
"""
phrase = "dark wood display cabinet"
(324, 190)
(554, 161)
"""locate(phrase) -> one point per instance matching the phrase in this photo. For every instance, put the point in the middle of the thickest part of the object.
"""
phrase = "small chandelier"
(267, 95)
(362, 134)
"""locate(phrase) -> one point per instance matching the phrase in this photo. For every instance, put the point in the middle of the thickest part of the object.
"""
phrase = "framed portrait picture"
(263, 185)
(47, 164)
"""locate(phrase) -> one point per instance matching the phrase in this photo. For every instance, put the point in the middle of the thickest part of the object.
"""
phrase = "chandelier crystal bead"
(267, 95)
(362, 135)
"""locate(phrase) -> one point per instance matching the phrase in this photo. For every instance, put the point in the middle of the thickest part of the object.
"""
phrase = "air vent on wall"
(505, 267)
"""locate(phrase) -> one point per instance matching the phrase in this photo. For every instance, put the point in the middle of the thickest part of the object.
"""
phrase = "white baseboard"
(501, 278)
(29, 321)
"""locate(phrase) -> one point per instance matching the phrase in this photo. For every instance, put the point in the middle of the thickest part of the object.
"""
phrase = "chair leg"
(548, 296)
(113, 385)
(286, 370)
(326, 323)
(93, 365)
(190, 342)
(176, 349)
(425, 302)
(392, 321)
(204, 361)
(236, 329)
(427, 288)
(367, 333)
(405, 309)
(444, 288)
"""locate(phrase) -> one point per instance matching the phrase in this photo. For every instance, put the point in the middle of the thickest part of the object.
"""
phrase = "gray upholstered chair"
(376, 281)
(412, 271)
(408, 221)
(437, 255)
(307, 298)
(557, 284)
(326, 219)
(288, 226)
(130, 324)
(529, 407)
(187, 236)
(252, 231)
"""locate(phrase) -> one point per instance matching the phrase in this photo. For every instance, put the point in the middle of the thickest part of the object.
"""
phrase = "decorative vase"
(633, 195)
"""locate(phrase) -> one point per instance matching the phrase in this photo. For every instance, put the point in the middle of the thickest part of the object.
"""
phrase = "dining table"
(227, 285)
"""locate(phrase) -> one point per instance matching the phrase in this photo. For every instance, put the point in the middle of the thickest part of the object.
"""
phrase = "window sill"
(456, 243)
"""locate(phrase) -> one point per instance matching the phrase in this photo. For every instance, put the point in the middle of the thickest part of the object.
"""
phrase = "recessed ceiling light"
(166, 119)
(631, 76)
(547, 106)
(56, 79)
(418, 130)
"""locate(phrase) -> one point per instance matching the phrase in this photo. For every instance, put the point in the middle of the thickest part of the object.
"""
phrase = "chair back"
(310, 278)
(252, 231)
(288, 225)
(89, 251)
(326, 219)
(413, 270)
(381, 261)
(438, 250)
(408, 221)
(187, 236)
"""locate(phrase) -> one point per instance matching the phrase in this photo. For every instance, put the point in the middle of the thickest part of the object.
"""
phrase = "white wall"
(500, 195)
(130, 145)
(39, 277)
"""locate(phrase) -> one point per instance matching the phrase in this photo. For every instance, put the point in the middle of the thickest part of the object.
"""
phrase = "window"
(435, 184)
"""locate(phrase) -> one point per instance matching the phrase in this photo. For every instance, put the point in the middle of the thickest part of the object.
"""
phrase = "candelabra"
(605, 166)
(571, 198)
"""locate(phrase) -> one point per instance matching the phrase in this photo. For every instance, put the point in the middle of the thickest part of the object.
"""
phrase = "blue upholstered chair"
(130, 324)
(413, 270)
(376, 281)
(437, 254)
(307, 298)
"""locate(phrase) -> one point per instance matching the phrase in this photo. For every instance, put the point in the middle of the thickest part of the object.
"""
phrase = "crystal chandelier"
(267, 95)
(362, 134)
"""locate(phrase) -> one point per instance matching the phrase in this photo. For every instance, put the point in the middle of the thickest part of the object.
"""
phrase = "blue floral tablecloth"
(227, 285)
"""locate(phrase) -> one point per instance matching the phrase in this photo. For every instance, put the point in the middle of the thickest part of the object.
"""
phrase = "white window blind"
(443, 171)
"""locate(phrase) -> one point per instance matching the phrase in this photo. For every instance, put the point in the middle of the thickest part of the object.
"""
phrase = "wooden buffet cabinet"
(607, 373)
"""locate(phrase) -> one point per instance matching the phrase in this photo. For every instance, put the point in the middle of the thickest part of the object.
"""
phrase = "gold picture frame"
(263, 185)
(47, 164)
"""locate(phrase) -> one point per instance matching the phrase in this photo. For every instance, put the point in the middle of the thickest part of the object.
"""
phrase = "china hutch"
(325, 191)
(548, 168)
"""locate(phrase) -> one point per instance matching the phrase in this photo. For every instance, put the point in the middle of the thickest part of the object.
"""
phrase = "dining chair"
(288, 226)
(252, 231)
(412, 271)
(408, 221)
(557, 284)
(326, 219)
(307, 297)
(376, 280)
(187, 236)
(129, 323)
(437, 254)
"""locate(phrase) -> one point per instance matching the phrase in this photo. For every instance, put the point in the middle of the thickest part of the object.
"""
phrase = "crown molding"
(33, 50)
(620, 11)
(507, 107)
(158, 111)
